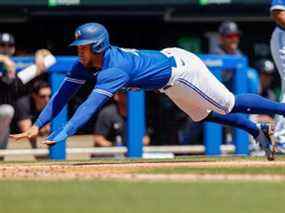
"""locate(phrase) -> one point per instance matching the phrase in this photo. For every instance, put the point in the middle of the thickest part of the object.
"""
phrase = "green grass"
(216, 170)
(140, 197)
(148, 197)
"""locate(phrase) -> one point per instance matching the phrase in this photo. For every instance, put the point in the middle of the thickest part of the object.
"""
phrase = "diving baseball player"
(181, 75)
(278, 53)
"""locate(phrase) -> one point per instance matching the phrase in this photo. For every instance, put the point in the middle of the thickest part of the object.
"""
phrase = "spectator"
(229, 39)
(29, 107)
(266, 70)
(229, 45)
(109, 127)
(12, 84)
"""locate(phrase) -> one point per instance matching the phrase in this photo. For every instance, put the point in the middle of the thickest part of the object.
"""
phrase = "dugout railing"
(213, 136)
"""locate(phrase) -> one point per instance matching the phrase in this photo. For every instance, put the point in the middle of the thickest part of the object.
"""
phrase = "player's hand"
(29, 134)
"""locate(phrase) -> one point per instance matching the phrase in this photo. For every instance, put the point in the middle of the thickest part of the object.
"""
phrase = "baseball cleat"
(264, 140)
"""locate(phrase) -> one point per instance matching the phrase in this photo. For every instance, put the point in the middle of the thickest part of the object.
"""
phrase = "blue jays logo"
(77, 34)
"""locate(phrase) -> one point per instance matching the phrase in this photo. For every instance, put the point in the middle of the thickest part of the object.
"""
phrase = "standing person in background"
(29, 107)
(12, 83)
(277, 44)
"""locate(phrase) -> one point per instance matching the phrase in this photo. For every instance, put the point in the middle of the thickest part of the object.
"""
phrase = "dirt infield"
(134, 171)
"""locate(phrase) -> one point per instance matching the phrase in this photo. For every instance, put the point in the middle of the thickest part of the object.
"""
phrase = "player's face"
(85, 55)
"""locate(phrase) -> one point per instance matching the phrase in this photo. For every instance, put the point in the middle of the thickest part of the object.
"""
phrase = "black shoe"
(265, 141)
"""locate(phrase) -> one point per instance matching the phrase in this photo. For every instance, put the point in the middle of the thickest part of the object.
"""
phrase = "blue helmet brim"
(81, 42)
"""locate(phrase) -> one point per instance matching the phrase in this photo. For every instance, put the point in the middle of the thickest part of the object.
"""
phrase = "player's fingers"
(47, 142)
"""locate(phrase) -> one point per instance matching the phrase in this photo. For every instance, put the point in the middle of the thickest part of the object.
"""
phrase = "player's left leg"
(261, 134)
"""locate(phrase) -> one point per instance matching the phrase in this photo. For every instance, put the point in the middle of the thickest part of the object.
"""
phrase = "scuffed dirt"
(127, 171)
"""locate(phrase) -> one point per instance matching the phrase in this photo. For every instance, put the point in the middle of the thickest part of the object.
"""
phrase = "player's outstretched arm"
(80, 117)
(57, 102)
(55, 105)
(109, 81)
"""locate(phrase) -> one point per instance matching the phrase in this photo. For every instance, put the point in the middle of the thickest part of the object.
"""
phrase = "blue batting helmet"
(94, 34)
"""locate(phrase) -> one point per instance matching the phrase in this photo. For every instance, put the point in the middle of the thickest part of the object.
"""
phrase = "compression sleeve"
(108, 82)
(69, 87)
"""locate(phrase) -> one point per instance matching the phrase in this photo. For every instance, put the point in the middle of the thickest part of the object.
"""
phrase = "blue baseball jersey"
(146, 69)
(277, 5)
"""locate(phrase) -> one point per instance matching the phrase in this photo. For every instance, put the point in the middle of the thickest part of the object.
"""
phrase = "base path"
(133, 171)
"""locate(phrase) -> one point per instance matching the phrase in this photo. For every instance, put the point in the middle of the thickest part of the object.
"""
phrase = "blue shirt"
(146, 69)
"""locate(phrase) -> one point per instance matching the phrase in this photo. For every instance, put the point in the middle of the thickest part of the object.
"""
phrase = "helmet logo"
(77, 34)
